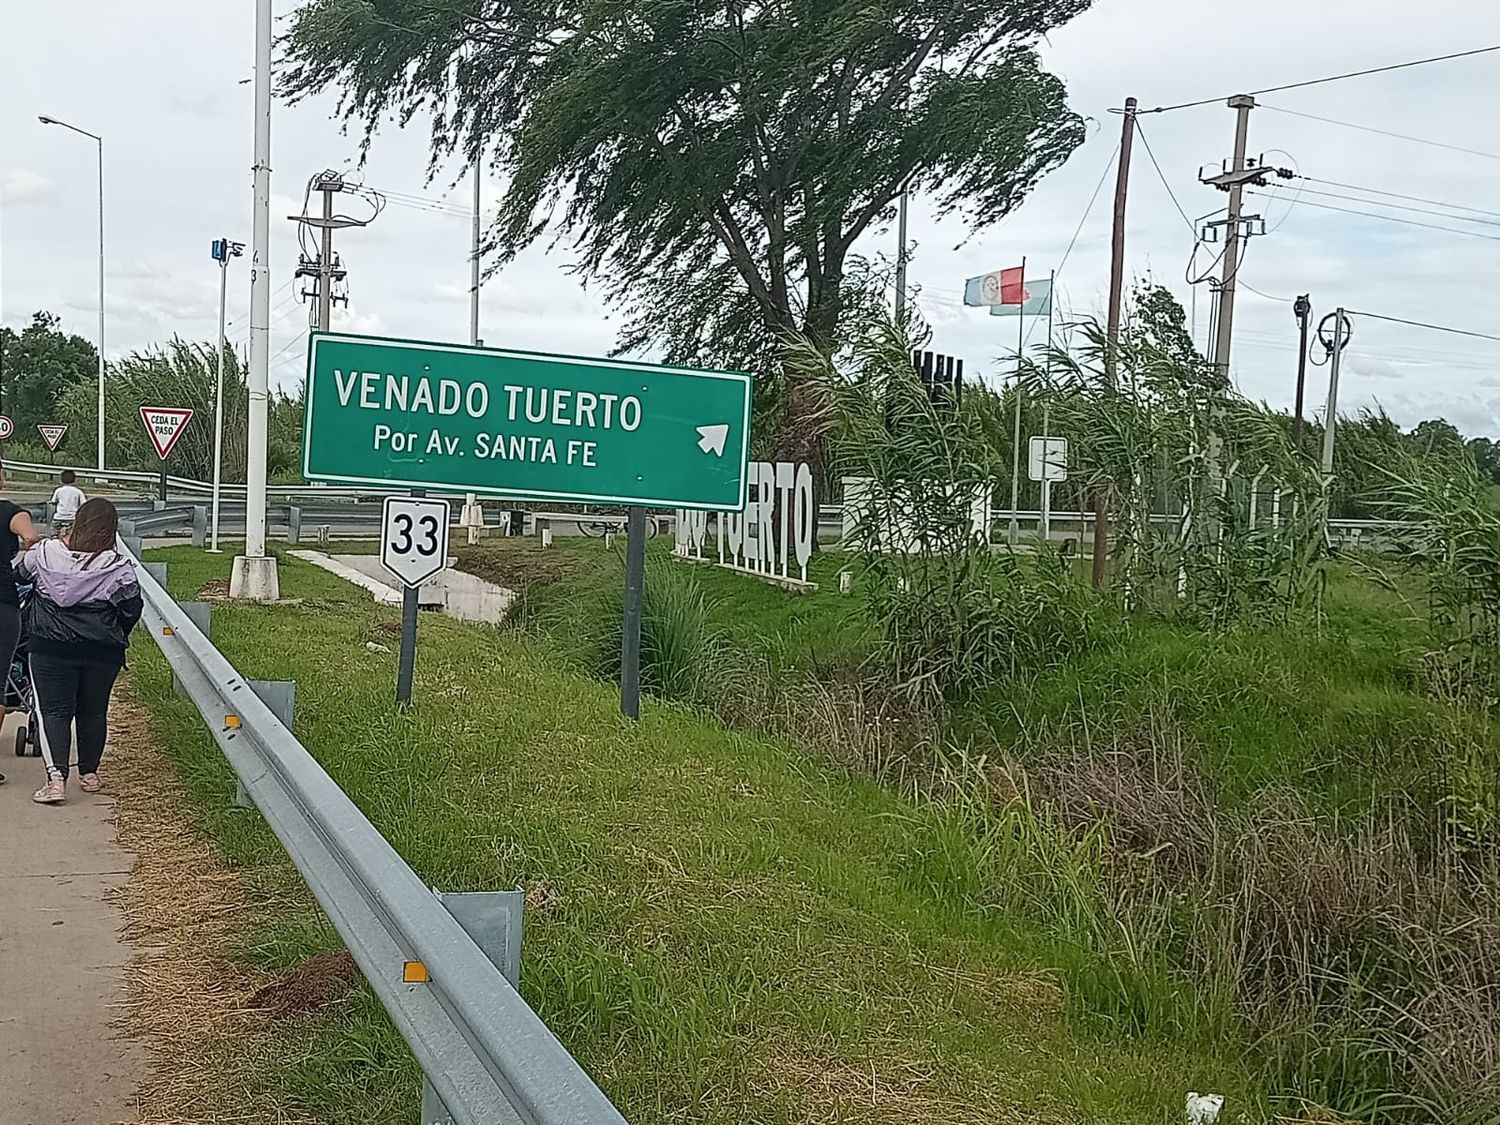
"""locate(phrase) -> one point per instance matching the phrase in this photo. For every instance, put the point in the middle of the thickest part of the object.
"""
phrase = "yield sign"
(52, 435)
(165, 425)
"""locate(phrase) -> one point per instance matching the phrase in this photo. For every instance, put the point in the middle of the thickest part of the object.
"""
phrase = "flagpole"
(1047, 419)
(1015, 453)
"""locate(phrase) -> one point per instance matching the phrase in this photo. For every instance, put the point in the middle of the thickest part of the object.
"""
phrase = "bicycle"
(599, 528)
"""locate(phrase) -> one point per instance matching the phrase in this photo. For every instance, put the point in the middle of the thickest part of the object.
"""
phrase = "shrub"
(681, 653)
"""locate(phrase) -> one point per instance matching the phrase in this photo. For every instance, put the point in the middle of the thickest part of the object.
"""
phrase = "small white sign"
(7, 427)
(1049, 459)
(414, 538)
(52, 434)
(165, 425)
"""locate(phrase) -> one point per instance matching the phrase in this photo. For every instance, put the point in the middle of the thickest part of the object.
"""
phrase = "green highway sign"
(405, 414)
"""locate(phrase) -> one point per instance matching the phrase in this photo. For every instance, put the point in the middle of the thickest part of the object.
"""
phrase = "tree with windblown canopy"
(713, 162)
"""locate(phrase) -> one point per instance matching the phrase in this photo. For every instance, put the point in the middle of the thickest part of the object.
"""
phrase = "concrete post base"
(254, 579)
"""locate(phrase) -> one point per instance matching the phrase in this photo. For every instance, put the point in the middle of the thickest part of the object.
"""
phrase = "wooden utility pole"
(1111, 350)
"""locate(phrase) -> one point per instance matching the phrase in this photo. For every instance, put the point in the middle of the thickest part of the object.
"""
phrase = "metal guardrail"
(485, 1053)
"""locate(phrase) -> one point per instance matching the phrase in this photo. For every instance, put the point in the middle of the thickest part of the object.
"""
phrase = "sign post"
(411, 415)
(630, 645)
(165, 425)
(413, 547)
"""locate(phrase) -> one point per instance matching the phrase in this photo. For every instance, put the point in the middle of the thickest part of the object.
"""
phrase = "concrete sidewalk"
(62, 960)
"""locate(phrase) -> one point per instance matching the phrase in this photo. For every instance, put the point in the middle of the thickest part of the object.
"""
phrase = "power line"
(1387, 218)
(1331, 78)
(1394, 206)
(1141, 133)
(1267, 296)
(1087, 211)
(1408, 198)
(1384, 132)
(1424, 324)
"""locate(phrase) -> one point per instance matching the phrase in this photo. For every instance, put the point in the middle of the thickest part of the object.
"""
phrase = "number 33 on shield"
(414, 538)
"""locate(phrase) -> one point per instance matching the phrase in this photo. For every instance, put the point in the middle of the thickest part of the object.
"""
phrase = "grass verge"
(720, 928)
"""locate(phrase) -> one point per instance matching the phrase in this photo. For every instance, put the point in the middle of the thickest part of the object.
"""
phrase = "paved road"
(62, 960)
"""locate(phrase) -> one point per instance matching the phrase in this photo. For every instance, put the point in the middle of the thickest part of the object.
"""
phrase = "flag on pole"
(1034, 300)
(1005, 288)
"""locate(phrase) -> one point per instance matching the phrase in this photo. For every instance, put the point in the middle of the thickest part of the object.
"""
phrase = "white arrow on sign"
(712, 439)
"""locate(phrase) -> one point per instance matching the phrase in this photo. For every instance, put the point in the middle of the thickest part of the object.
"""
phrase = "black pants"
(71, 694)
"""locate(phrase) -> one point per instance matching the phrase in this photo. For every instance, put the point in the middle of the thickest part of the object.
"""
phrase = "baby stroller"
(18, 693)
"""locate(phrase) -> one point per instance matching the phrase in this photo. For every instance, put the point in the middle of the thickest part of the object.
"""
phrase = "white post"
(254, 576)
(1015, 453)
(101, 302)
(1046, 471)
(472, 517)
(1255, 493)
(213, 543)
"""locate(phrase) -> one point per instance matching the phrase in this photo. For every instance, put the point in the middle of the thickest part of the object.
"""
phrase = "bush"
(681, 653)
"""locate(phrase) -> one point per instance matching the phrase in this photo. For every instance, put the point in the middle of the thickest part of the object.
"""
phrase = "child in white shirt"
(66, 500)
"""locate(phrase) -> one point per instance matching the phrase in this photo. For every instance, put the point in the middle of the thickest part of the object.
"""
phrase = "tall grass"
(1359, 961)
(949, 617)
(1162, 436)
(682, 653)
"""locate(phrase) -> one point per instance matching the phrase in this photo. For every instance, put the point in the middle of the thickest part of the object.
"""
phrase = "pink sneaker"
(90, 783)
(53, 793)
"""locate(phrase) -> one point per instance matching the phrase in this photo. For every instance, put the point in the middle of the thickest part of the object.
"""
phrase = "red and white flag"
(1003, 287)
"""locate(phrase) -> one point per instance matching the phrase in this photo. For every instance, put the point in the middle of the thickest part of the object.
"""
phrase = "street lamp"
(98, 140)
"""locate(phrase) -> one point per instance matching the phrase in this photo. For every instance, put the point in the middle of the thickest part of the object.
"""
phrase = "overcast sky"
(162, 81)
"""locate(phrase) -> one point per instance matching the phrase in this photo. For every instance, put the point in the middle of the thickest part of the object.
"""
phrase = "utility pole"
(1112, 345)
(325, 270)
(1235, 182)
(254, 576)
(1232, 180)
(1343, 331)
(223, 251)
(1302, 310)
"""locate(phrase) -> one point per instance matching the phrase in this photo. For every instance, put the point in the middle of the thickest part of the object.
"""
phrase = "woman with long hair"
(85, 601)
(16, 532)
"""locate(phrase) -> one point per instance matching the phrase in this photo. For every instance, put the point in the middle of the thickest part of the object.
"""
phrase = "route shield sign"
(414, 538)
(403, 414)
(52, 434)
(165, 425)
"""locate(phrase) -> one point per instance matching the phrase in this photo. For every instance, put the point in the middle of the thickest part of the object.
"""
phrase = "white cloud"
(160, 81)
(21, 187)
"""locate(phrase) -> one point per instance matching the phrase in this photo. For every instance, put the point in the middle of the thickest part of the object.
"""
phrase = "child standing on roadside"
(84, 603)
(66, 501)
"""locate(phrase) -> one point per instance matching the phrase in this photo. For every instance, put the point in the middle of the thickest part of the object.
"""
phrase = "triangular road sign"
(165, 425)
(52, 435)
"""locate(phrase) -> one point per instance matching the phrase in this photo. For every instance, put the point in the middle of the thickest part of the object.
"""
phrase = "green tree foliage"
(1486, 454)
(183, 374)
(39, 364)
(712, 162)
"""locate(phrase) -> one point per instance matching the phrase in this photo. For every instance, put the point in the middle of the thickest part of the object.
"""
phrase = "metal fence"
(486, 1055)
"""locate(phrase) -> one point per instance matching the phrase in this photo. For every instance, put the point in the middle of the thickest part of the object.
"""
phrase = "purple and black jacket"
(82, 607)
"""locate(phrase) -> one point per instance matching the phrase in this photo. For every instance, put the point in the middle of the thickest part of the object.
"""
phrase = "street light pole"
(99, 141)
(254, 575)
(223, 251)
